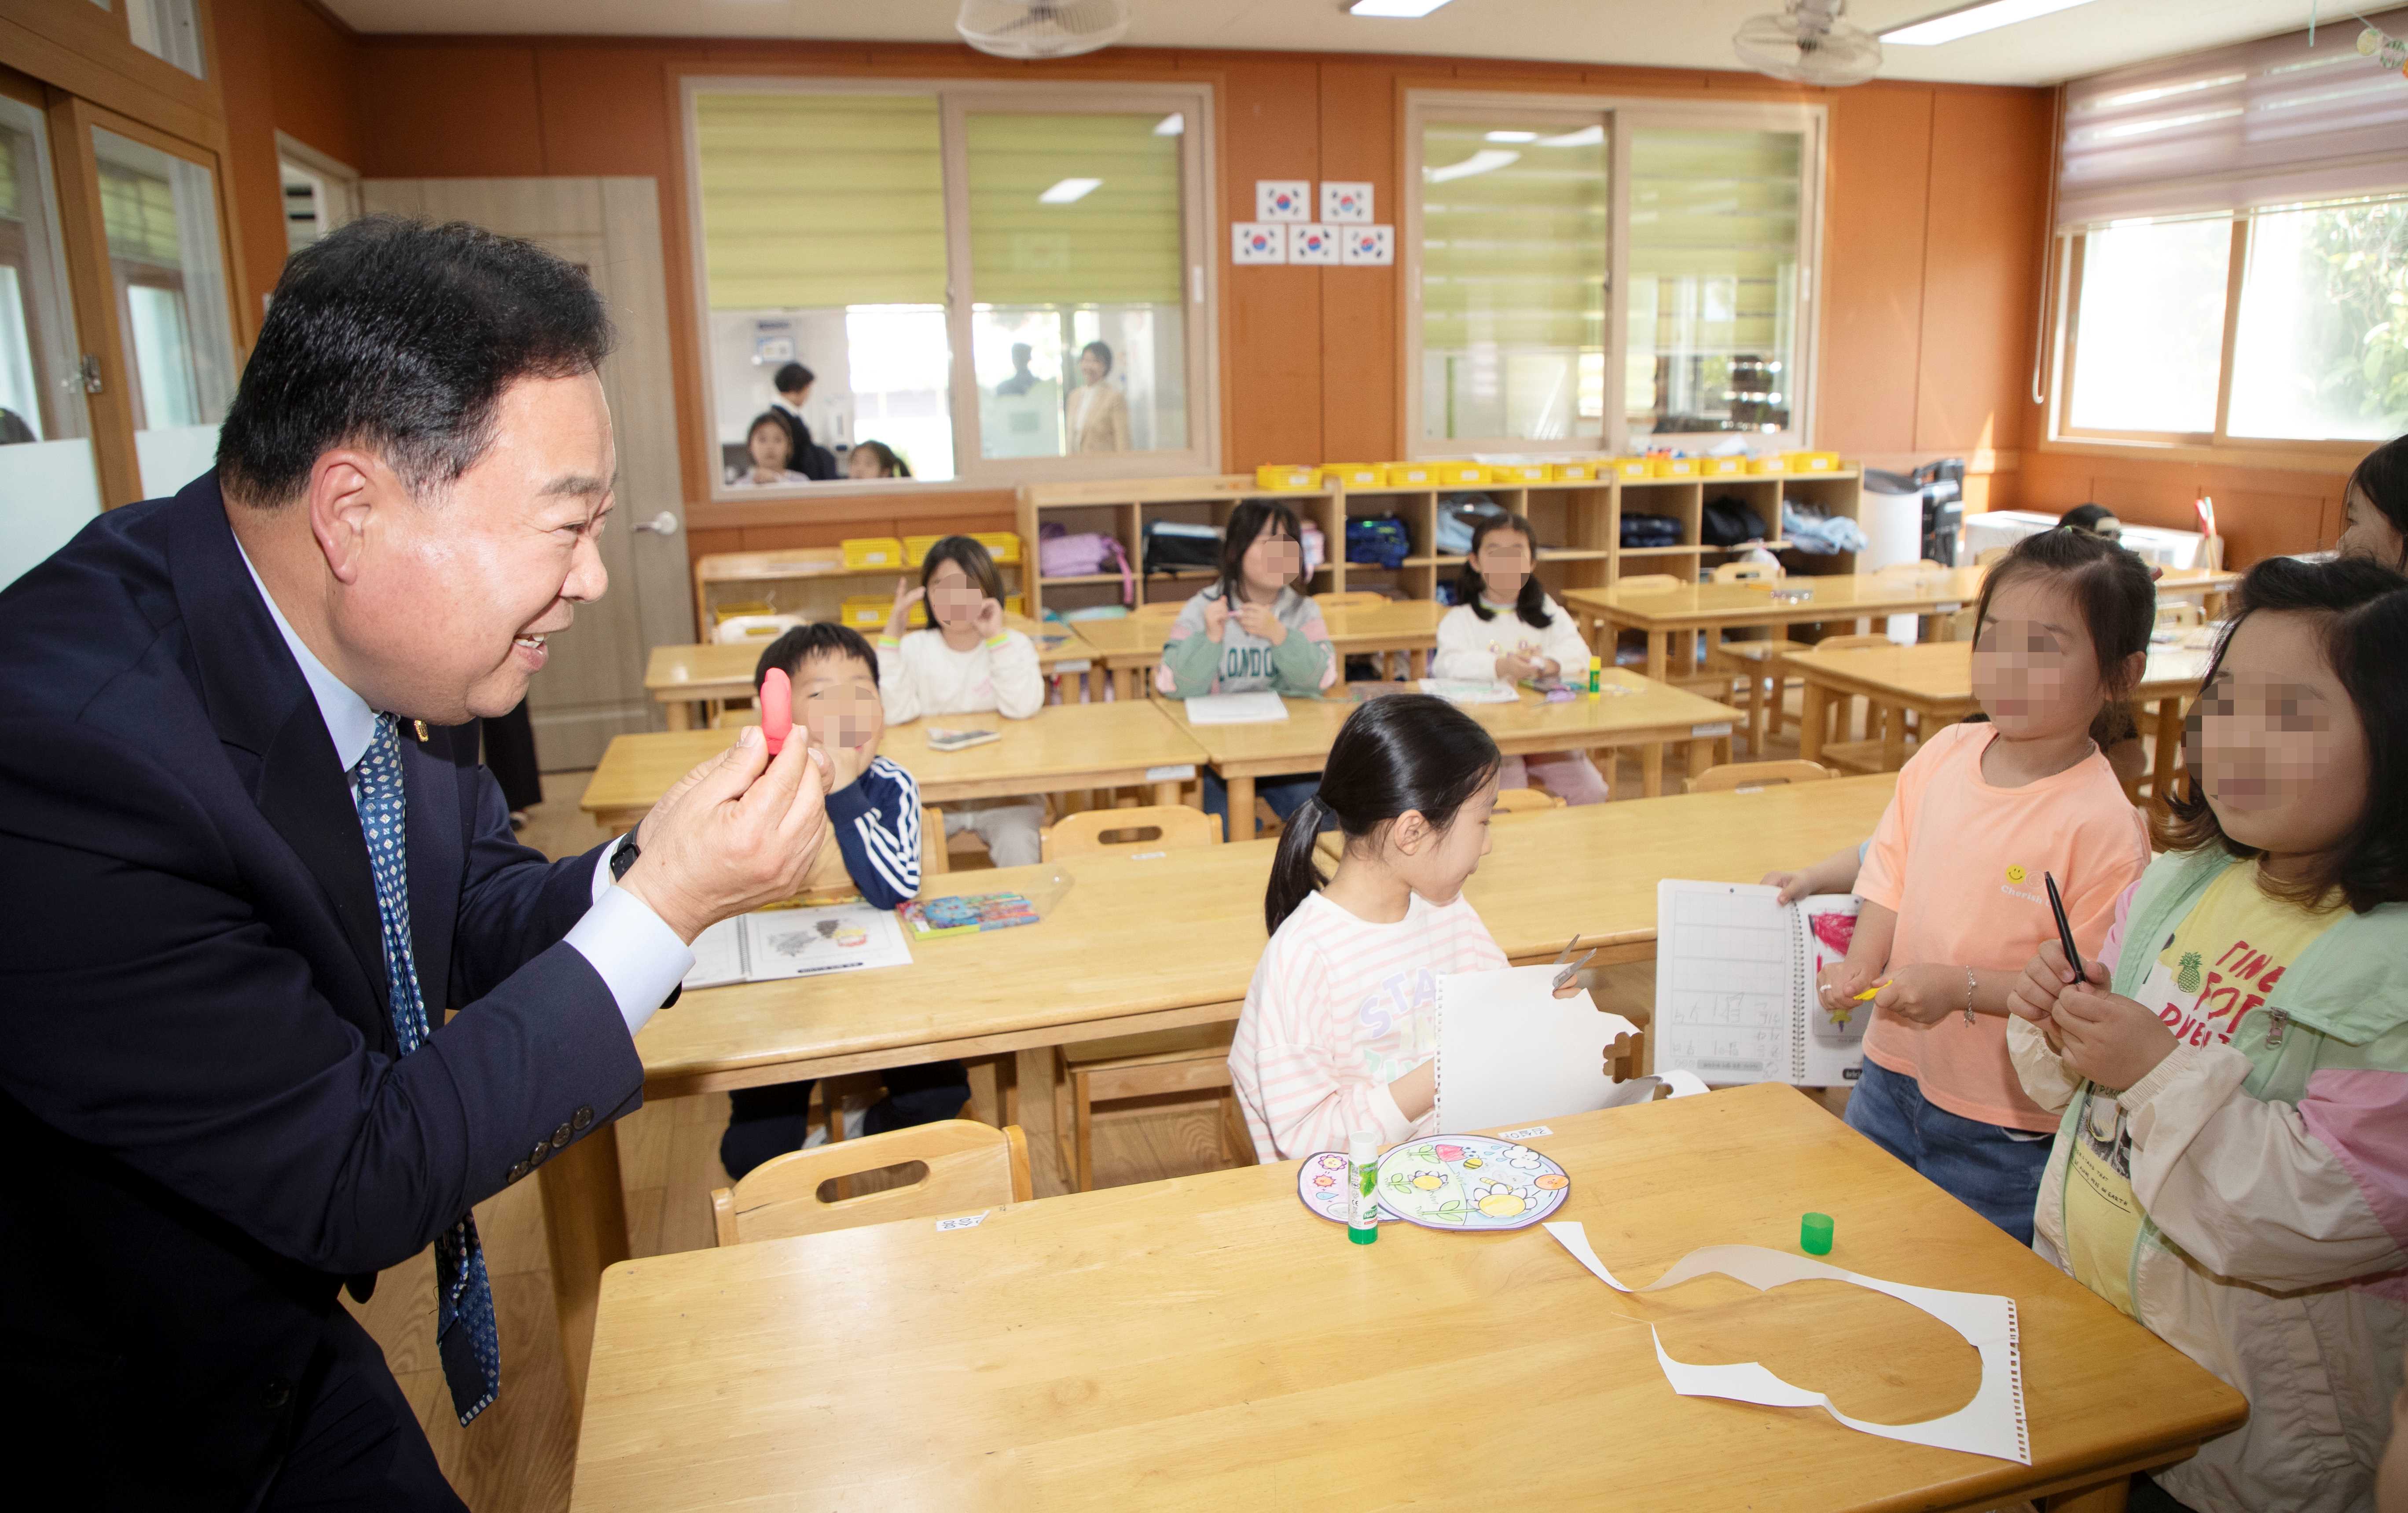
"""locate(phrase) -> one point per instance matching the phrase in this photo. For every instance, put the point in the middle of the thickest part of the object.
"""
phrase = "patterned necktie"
(465, 1336)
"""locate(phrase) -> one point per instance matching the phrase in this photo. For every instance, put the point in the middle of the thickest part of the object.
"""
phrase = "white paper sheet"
(1509, 1051)
(1992, 1425)
(1470, 691)
(805, 943)
(718, 956)
(1261, 707)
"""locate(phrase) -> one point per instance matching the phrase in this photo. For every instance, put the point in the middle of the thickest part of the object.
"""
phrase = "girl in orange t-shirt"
(1952, 882)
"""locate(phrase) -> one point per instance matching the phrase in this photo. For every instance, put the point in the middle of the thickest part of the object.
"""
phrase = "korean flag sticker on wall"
(1345, 202)
(1369, 246)
(1311, 242)
(1251, 241)
(1283, 200)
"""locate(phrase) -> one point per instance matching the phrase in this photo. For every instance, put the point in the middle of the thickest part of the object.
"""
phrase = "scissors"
(1573, 970)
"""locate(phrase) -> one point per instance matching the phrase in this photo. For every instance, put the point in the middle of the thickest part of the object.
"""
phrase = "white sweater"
(1469, 646)
(923, 675)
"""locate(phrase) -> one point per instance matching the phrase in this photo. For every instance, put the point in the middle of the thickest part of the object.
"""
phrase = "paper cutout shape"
(777, 708)
(1252, 242)
(1992, 1425)
(1283, 200)
(1367, 246)
(1345, 200)
(1321, 1186)
(1449, 1182)
(1311, 242)
(1510, 1052)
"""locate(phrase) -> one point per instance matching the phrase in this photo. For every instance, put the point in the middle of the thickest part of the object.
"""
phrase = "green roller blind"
(1514, 238)
(8, 149)
(814, 201)
(1118, 243)
(140, 212)
(1713, 226)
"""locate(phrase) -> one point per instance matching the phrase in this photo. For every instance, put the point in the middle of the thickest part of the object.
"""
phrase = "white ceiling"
(1694, 34)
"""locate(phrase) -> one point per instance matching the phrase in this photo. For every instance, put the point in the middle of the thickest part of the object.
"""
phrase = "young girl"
(772, 446)
(2232, 1166)
(1251, 630)
(1954, 902)
(1504, 627)
(2377, 501)
(965, 663)
(1340, 1023)
(874, 459)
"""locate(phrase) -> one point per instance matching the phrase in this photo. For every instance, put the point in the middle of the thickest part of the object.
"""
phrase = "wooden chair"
(1648, 582)
(1154, 827)
(969, 1166)
(1757, 664)
(1739, 777)
(1842, 710)
(1525, 802)
(1746, 572)
(1163, 1061)
(2181, 614)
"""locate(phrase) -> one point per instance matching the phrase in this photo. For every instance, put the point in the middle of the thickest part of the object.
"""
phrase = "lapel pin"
(421, 726)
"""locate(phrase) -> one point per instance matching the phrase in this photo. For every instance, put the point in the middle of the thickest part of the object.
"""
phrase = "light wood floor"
(519, 1455)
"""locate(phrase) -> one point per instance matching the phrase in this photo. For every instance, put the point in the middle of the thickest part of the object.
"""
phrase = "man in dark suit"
(248, 862)
(806, 456)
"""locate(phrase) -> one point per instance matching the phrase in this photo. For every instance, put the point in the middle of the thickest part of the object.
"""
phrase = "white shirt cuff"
(602, 878)
(637, 957)
(1394, 1125)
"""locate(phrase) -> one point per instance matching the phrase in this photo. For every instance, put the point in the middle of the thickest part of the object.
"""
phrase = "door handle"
(664, 524)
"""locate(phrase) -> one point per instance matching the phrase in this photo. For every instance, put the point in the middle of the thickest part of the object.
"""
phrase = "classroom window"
(996, 283)
(169, 30)
(1596, 275)
(2153, 304)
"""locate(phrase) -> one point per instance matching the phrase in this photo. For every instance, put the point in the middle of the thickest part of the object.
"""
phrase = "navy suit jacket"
(204, 1125)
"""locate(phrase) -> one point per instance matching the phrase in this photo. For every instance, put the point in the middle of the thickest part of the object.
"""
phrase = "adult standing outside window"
(1099, 420)
(249, 863)
(804, 456)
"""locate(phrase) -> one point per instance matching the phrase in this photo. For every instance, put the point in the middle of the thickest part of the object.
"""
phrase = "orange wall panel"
(1981, 267)
(1272, 355)
(453, 111)
(1874, 233)
(1362, 383)
(2260, 511)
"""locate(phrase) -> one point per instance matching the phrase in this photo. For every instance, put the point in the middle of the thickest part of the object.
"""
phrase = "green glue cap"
(1814, 1234)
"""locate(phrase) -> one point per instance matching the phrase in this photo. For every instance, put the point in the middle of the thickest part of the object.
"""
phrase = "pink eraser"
(777, 708)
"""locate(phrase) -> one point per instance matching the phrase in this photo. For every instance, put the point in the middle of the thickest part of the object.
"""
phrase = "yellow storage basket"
(1286, 479)
(873, 552)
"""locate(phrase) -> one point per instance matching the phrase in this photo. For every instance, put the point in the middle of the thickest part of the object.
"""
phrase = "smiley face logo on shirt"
(2017, 874)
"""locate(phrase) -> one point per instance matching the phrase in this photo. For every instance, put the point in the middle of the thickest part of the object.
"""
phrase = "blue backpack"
(1377, 540)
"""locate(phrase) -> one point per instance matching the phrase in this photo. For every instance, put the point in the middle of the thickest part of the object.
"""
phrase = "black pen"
(2064, 931)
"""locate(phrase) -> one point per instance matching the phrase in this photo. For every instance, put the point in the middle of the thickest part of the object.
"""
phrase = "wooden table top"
(724, 669)
(1937, 676)
(1176, 936)
(1060, 746)
(1836, 597)
(1205, 1342)
(1395, 625)
(1651, 712)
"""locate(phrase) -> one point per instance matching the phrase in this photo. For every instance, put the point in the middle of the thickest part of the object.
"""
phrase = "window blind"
(138, 212)
(1713, 226)
(2267, 122)
(820, 201)
(1116, 243)
(8, 149)
(1513, 239)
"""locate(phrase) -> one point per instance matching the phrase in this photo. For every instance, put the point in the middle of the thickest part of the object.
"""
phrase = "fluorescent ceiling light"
(1398, 9)
(1171, 124)
(1478, 163)
(1513, 136)
(1981, 18)
(1069, 191)
(1585, 137)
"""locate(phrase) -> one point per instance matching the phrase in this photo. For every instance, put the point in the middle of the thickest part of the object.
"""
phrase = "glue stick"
(1361, 1187)
(1596, 675)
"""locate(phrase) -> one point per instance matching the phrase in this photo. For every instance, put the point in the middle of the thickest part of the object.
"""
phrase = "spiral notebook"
(1510, 1052)
(1735, 999)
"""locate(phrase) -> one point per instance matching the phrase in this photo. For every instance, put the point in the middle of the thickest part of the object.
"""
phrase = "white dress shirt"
(637, 957)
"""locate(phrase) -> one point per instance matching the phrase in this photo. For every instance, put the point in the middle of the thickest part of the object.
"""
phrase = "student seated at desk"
(873, 808)
(965, 663)
(2231, 1169)
(1250, 631)
(1339, 1026)
(1504, 627)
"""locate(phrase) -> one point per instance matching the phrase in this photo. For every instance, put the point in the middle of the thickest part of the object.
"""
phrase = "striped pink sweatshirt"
(1339, 1009)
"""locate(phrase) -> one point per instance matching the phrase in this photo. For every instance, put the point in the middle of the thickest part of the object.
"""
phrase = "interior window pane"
(1713, 280)
(1512, 273)
(2322, 351)
(2149, 326)
(48, 484)
(1078, 334)
(823, 245)
(161, 216)
(167, 29)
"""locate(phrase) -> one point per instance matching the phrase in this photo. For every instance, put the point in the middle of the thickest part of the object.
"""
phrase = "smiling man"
(280, 998)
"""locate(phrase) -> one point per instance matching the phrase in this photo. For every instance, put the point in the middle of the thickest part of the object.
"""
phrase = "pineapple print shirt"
(2215, 966)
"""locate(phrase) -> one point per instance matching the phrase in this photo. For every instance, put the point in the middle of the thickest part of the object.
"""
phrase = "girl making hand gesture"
(1504, 627)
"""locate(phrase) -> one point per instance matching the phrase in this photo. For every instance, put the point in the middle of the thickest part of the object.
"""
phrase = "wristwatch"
(624, 857)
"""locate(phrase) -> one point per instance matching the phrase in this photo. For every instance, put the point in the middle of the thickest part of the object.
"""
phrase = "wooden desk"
(1063, 746)
(1154, 944)
(1128, 646)
(1203, 1342)
(1650, 714)
(1935, 680)
(689, 680)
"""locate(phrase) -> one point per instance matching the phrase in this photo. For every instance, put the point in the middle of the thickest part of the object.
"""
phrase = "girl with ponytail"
(1340, 1023)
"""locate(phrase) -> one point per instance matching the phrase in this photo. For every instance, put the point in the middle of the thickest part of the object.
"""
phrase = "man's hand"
(1216, 618)
(2112, 1040)
(1261, 622)
(736, 833)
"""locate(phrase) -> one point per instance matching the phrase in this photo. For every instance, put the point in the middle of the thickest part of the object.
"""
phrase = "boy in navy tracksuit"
(873, 810)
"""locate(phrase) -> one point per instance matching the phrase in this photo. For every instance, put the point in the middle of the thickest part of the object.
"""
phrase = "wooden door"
(592, 688)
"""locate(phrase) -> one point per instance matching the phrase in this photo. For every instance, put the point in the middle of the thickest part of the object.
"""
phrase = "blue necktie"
(465, 1336)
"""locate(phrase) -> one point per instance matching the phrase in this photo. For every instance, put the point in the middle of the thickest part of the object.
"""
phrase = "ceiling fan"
(1808, 44)
(1042, 28)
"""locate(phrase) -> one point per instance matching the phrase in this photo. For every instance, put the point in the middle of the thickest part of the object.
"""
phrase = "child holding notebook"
(1953, 900)
(2232, 1063)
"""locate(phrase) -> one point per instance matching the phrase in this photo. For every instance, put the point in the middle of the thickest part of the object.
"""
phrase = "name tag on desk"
(965, 1221)
(1177, 772)
(1722, 729)
(1081, 665)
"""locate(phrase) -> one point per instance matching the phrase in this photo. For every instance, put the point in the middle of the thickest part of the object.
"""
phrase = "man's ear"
(346, 488)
